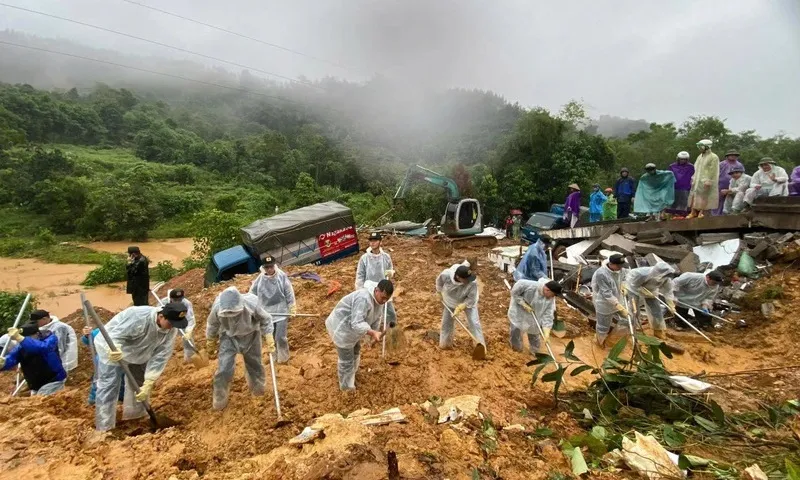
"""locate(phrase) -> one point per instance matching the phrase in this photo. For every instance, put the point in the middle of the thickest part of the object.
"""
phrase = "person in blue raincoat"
(656, 191)
(596, 201)
(533, 264)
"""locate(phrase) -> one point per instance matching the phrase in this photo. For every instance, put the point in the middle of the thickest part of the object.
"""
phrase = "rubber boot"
(600, 340)
(660, 334)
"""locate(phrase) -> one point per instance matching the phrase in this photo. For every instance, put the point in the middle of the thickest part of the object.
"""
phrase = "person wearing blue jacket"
(37, 356)
(88, 335)
(533, 265)
(625, 193)
(596, 201)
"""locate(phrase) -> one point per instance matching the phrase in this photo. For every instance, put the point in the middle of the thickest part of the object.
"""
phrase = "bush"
(190, 263)
(163, 271)
(10, 303)
(112, 270)
(45, 237)
(214, 231)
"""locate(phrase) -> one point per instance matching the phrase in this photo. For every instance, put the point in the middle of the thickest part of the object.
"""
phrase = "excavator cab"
(462, 218)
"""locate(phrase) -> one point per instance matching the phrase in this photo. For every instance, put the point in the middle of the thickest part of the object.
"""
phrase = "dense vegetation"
(113, 163)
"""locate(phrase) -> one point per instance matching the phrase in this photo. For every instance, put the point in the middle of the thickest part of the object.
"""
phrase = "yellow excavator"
(462, 222)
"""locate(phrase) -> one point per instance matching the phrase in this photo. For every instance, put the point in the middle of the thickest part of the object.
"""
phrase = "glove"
(211, 346)
(14, 334)
(622, 310)
(269, 341)
(293, 309)
(2, 362)
(144, 391)
(671, 306)
(647, 293)
(187, 332)
(459, 309)
(115, 356)
(704, 310)
(526, 306)
(87, 331)
(624, 289)
(546, 332)
(388, 274)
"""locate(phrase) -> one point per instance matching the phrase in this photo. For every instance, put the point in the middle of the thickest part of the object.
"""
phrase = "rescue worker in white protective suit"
(737, 188)
(697, 291)
(357, 314)
(238, 324)
(67, 339)
(375, 265)
(145, 338)
(607, 296)
(529, 298)
(770, 180)
(459, 291)
(177, 295)
(276, 295)
(647, 283)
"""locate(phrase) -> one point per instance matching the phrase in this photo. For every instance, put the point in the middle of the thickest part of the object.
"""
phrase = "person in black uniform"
(138, 276)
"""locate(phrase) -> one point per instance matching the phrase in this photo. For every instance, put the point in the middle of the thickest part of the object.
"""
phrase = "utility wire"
(240, 35)
(161, 44)
(179, 77)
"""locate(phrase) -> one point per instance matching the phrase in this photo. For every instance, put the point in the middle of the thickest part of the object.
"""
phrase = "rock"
(514, 428)
(359, 413)
(754, 472)
(451, 443)
(767, 309)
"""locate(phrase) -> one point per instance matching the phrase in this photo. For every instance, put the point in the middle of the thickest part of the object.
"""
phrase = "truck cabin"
(228, 263)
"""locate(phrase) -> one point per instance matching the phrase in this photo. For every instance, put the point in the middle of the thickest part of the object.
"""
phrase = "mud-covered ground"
(54, 437)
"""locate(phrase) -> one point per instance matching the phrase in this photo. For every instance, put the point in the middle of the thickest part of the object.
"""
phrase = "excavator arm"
(417, 173)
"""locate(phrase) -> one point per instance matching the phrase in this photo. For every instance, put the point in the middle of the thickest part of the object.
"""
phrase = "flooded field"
(58, 286)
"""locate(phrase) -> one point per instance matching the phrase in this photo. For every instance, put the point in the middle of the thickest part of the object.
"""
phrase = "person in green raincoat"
(656, 191)
(610, 207)
(704, 195)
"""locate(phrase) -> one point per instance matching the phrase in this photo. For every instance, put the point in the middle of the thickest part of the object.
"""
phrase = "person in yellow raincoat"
(704, 195)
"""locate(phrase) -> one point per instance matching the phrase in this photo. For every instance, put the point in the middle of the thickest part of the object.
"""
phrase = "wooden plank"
(596, 244)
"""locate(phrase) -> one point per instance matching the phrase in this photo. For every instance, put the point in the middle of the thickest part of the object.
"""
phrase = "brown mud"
(54, 437)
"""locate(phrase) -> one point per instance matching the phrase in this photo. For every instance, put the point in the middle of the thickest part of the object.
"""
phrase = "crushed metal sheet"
(718, 254)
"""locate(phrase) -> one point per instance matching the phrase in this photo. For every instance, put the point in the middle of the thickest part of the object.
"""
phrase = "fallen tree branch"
(748, 372)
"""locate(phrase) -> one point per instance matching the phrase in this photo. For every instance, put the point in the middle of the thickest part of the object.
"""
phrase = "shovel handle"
(709, 314)
(16, 323)
(460, 323)
(686, 322)
(275, 387)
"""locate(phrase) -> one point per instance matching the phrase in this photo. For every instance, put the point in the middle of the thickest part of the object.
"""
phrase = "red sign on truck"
(331, 243)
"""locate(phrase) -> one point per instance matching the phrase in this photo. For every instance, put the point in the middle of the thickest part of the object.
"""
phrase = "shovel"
(16, 323)
(679, 316)
(479, 352)
(199, 358)
(155, 422)
(282, 422)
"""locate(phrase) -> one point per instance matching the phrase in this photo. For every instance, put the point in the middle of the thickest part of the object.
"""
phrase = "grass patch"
(63, 252)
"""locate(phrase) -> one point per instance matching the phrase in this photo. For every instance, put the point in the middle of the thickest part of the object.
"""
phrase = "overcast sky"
(661, 61)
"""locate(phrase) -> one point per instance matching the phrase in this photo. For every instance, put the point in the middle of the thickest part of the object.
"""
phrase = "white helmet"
(705, 143)
(684, 155)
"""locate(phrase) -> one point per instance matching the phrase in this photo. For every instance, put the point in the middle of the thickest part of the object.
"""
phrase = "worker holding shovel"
(144, 338)
(37, 354)
(375, 265)
(647, 283)
(276, 295)
(237, 324)
(529, 298)
(696, 291)
(459, 291)
(607, 296)
(356, 315)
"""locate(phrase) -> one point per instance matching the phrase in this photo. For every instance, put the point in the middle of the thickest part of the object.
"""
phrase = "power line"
(239, 65)
(170, 75)
(240, 35)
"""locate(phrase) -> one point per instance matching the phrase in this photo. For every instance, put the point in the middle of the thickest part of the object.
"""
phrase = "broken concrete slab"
(620, 244)
(786, 237)
(709, 238)
(655, 237)
(689, 263)
(683, 239)
(672, 252)
(760, 247)
(719, 254)
(767, 309)
(597, 242)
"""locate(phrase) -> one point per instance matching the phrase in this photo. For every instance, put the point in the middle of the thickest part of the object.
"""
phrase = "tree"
(305, 191)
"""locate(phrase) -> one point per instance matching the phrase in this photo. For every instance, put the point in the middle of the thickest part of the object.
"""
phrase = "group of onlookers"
(709, 186)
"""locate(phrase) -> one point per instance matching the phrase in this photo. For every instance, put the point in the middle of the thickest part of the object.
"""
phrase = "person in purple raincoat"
(731, 160)
(794, 182)
(572, 206)
(683, 171)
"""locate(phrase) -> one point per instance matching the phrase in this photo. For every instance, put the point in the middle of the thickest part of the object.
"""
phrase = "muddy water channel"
(57, 287)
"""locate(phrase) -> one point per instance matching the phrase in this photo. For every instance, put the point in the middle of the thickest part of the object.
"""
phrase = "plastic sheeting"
(718, 254)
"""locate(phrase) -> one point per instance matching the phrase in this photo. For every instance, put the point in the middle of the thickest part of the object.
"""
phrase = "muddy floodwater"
(57, 287)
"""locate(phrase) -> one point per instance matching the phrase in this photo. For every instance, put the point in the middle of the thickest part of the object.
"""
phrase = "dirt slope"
(53, 437)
